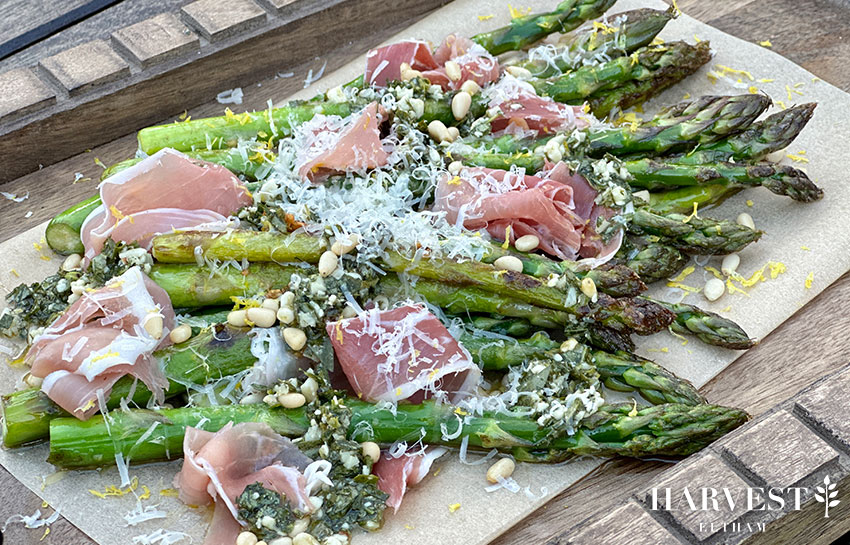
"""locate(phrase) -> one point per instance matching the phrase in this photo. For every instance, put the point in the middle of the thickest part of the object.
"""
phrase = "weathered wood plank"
(27, 21)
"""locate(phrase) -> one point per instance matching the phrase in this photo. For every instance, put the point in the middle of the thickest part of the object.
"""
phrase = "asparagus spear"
(643, 64)
(680, 65)
(225, 131)
(498, 354)
(702, 236)
(655, 174)
(681, 200)
(650, 260)
(255, 246)
(63, 232)
(709, 327)
(685, 125)
(671, 429)
(512, 327)
(776, 132)
(205, 357)
(626, 372)
(530, 29)
(636, 29)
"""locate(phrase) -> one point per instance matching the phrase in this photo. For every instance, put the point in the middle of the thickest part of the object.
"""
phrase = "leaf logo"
(825, 494)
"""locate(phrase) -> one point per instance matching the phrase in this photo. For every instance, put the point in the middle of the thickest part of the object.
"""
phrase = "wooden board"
(757, 381)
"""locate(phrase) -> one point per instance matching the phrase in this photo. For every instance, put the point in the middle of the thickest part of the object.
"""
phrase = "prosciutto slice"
(354, 146)
(558, 208)
(523, 113)
(166, 191)
(402, 354)
(218, 466)
(101, 338)
(396, 474)
(475, 63)
(384, 63)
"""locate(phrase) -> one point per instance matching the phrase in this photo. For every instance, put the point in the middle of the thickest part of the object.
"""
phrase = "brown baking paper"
(808, 239)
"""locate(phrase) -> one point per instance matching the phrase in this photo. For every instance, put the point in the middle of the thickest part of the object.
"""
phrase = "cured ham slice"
(475, 63)
(402, 354)
(218, 466)
(165, 191)
(525, 114)
(384, 63)
(395, 475)
(354, 146)
(101, 338)
(559, 209)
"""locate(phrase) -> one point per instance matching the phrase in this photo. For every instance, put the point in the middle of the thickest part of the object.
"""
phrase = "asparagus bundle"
(671, 429)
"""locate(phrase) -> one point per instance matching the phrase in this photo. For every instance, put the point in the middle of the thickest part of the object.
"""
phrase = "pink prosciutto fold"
(101, 338)
(384, 63)
(165, 191)
(558, 208)
(218, 466)
(402, 354)
(525, 114)
(396, 474)
(333, 148)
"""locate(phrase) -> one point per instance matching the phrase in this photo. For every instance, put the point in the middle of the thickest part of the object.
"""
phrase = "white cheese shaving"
(143, 514)
(317, 473)
(15, 198)
(230, 96)
(31, 521)
(508, 484)
(160, 537)
(311, 79)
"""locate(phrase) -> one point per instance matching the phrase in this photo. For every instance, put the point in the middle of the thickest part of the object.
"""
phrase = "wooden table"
(812, 33)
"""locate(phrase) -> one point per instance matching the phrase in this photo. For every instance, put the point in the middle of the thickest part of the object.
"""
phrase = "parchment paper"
(425, 518)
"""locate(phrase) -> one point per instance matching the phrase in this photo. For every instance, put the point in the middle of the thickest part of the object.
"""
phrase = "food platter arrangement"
(454, 259)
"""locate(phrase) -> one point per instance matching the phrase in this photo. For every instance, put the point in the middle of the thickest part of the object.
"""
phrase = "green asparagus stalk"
(498, 354)
(776, 132)
(530, 29)
(650, 260)
(644, 64)
(708, 327)
(226, 131)
(655, 174)
(626, 372)
(685, 125)
(675, 68)
(615, 430)
(63, 232)
(512, 327)
(682, 200)
(637, 28)
(694, 235)
(255, 246)
(205, 357)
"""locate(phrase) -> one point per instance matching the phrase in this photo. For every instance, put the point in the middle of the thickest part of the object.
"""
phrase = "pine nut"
(287, 299)
(349, 312)
(714, 289)
(328, 263)
(642, 195)
(268, 522)
(438, 131)
(286, 315)
(371, 450)
(294, 337)
(454, 133)
(72, 262)
(281, 541)
(470, 86)
(453, 70)
(382, 302)
(271, 304)
(299, 526)
(251, 399)
(236, 318)
(270, 400)
(33, 381)
(309, 389)
(730, 264)
(588, 287)
(153, 325)
(508, 263)
(568, 345)
(337, 95)
(460, 105)
(554, 154)
(180, 334)
(407, 75)
(502, 469)
(246, 538)
(262, 542)
(455, 167)
(417, 106)
(527, 243)
(304, 539)
(291, 401)
(775, 156)
(344, 245)
(746, 220)
(261, 317)
(518, 72)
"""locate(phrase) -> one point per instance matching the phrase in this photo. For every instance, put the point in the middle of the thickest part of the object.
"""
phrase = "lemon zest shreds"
(408, 526)
(732, 288)
(169, 492)
(796, 158)
(765, 43)
(749, 203)
(697, 39)
(99, 163)
(145, 494)
(781, 104)
(16, 273)
(183, 116)
(664, 350)
(113, 490)
(788, 90)
(684, 274)
(516, 13)
(686, 96)
(766, 80)
(676, 10)
(454, 507)
(727, 309)
(693, 214)
(683, 287)
(678, 336)
(753, 90)
(717, 274)
(44, 535)
(633, 413)
(805, 248)
(776, 268)
(485, 17)
(657, 41)
(243, 302)
(728, 70)
(810, 278)
(454, 181)
(507, 242)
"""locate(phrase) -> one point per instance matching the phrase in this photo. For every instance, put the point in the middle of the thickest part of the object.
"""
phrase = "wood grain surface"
(806, 31)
